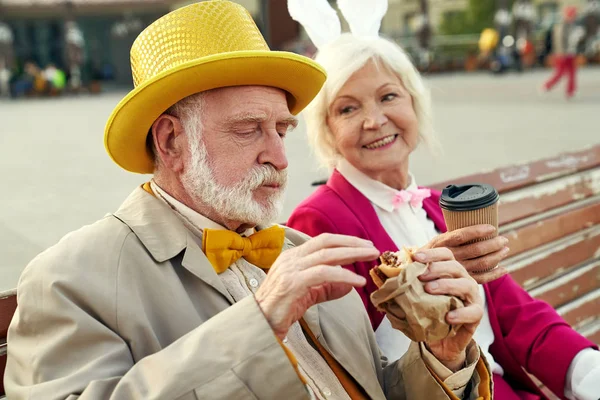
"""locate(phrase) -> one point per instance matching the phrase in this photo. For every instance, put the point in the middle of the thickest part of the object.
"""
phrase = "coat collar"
(164, 236)
(376, 192)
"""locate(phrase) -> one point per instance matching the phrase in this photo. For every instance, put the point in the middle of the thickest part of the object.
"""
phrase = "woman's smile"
(382, 143)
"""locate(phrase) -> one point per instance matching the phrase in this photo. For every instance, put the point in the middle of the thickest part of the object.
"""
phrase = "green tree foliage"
(478, 15)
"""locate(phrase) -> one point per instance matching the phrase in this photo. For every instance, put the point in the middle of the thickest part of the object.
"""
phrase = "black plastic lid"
(468, 197)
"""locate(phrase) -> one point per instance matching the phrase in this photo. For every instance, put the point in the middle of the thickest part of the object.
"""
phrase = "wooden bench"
(550, 212)
(8, 304)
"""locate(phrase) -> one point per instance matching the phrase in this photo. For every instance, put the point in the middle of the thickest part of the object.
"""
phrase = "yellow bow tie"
(223, 248)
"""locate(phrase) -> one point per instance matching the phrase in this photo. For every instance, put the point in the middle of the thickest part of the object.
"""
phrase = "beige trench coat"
(130, 308)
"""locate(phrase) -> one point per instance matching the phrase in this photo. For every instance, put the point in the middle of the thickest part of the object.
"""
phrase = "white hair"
(233, 202)
(341, 59)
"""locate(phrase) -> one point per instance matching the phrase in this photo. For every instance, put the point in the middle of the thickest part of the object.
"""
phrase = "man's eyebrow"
(259, 118)
(245, 118)
(289, 121)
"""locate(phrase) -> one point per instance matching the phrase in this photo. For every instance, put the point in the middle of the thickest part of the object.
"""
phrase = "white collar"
(377, 192)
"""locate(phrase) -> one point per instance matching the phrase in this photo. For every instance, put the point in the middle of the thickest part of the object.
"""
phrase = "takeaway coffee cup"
(468, 205)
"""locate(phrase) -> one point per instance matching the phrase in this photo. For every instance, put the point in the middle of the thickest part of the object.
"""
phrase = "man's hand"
(479, 258)
(310, 274)
(445, 276)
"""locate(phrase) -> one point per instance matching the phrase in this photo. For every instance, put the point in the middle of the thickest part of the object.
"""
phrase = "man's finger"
(338, 256)
(431, 255)
(479, 249)
(443, 269)
(321, 274)
(461, 236)
(330, 240)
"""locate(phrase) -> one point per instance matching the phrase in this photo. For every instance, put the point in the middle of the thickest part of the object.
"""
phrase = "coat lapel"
(434, 212)
(164, 236)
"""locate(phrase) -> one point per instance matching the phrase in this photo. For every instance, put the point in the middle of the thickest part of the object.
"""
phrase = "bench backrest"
(8, 305)
(550, 212)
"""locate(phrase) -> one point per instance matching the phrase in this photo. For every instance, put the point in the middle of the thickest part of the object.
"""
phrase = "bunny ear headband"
(323, 26)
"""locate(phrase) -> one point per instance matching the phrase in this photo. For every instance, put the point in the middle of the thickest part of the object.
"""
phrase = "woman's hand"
(445, 276)
(481, 259)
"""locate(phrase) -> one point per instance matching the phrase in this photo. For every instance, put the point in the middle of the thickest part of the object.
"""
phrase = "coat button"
(327, 392)
(253, 283)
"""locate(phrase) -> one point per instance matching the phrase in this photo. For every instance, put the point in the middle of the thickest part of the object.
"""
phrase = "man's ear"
(169, 142)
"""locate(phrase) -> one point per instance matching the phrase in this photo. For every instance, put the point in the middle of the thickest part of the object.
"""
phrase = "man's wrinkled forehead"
(245, 104)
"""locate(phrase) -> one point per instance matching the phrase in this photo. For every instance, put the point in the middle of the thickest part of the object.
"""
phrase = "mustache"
(266, 175)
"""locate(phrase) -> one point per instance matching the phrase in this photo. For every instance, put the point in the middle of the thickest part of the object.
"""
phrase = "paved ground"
(57, 176)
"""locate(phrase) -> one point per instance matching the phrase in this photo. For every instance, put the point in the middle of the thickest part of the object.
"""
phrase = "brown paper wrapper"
(419, 315)
(462, 219)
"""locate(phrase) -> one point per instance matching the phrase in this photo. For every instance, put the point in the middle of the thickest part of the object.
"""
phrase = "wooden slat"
(595, 337)
(553, 228)
(521, 175)
(582, 310)
(555, 258)
(543, 197)
(8, 305)
(591, 330)
(570, 286)
(2, 369)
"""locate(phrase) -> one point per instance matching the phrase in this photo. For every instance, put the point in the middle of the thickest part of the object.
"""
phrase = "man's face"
(236, 165)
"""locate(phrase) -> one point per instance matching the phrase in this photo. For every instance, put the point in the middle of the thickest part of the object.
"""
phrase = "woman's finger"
(479, 249)
(432, 255)
(470, 314)
(443, 269)
(486, 263)
(461, 236)
(485, 277)
(464, 288)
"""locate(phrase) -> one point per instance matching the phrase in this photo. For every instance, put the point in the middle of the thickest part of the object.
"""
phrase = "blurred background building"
(96, 35)
(89, 40)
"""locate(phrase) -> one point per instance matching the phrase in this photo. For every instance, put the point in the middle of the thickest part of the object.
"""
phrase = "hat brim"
(127, 128)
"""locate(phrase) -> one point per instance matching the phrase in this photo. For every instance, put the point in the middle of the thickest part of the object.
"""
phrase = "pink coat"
(528, 332)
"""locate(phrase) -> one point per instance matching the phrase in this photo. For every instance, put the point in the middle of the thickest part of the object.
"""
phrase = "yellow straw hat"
(203, 46)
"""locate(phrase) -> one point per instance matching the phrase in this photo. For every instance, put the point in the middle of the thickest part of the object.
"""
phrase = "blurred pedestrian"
(566, 37)
(5, 76)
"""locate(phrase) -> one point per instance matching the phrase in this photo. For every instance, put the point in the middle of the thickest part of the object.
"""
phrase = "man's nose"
(274, 152)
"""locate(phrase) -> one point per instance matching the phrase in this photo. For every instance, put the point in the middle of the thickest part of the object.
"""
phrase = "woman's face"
(373, 121)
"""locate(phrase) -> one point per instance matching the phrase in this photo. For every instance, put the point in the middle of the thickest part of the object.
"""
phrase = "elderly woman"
(370, 116)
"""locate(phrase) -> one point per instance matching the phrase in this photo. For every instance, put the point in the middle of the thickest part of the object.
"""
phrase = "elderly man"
(168, 298)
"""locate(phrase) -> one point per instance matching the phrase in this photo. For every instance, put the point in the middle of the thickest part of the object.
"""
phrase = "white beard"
(235, 203)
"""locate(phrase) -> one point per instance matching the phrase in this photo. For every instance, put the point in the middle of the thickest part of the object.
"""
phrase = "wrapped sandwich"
(391, 264)
(401, 295)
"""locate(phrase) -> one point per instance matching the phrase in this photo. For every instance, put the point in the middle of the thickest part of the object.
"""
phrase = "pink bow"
(414, 197)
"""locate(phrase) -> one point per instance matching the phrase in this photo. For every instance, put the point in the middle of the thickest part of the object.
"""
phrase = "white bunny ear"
(318, 18)
(364, 17)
